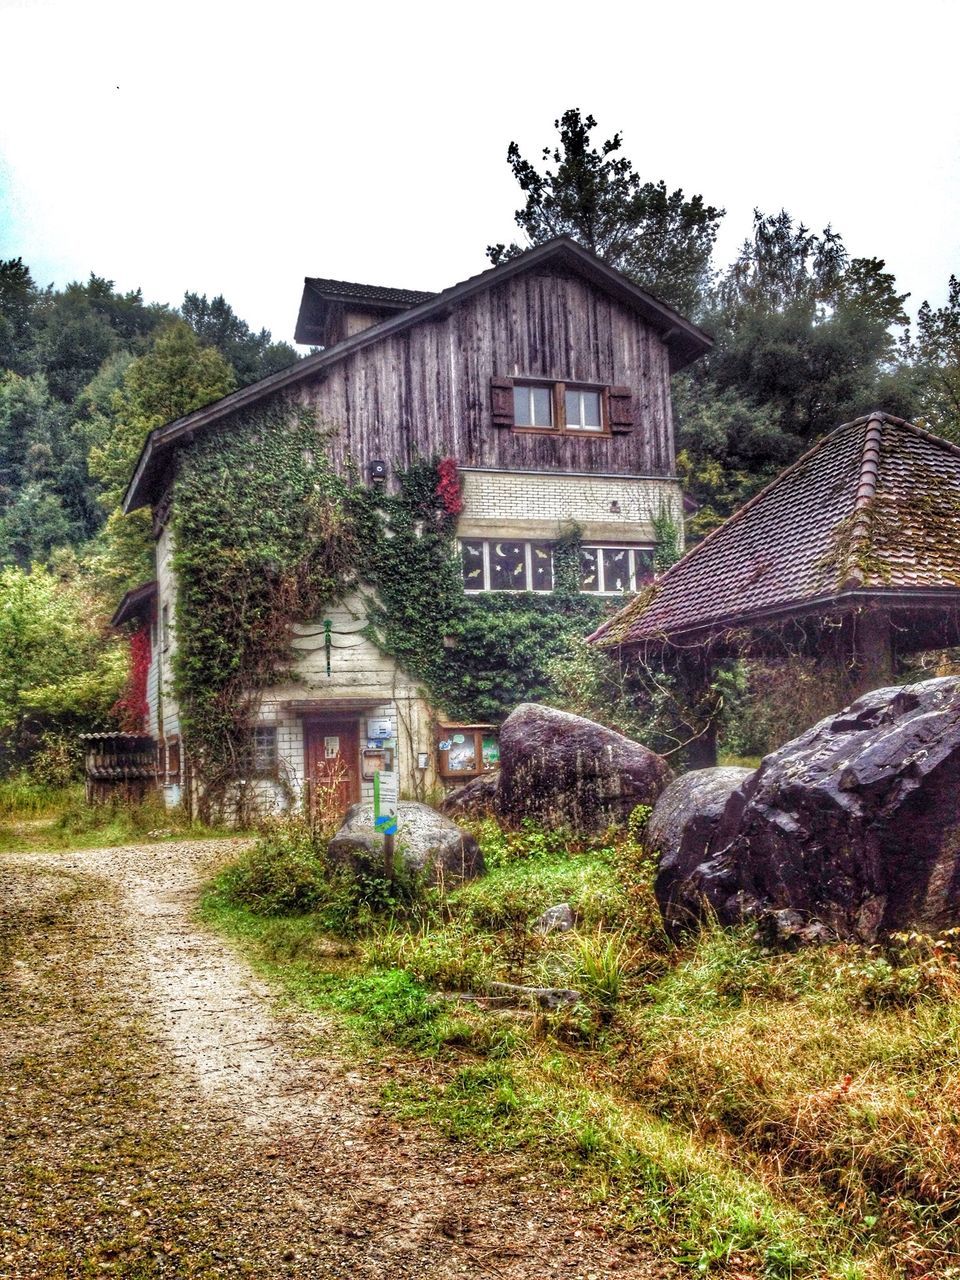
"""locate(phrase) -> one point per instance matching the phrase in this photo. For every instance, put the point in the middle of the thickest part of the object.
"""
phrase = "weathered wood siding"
(427, 390)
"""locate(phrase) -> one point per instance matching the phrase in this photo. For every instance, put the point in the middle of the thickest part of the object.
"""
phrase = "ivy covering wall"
(266, 536)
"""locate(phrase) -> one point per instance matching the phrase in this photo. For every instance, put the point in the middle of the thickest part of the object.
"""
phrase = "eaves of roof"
(134, 603)
(720, 585)
(684, 340)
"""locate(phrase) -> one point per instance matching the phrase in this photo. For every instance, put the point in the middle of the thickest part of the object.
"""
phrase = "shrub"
(283, 874)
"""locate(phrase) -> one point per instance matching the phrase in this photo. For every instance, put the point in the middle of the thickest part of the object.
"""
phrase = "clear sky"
(235, 148)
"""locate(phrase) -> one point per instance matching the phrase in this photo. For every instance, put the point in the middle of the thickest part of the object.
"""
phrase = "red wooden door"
(332, 751)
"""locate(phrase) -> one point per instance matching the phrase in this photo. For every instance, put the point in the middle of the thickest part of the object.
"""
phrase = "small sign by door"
(331, 748)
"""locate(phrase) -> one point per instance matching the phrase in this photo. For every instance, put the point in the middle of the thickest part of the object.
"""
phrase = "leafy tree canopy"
(216, 324)
(935, 352)
(659, 238)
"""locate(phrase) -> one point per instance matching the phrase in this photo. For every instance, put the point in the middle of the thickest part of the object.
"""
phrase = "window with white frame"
(264, 748)
(613, 570)
(559, 406)
(504, 564)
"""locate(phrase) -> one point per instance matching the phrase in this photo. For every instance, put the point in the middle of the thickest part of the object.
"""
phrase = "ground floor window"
(501, 564)
(264, 754)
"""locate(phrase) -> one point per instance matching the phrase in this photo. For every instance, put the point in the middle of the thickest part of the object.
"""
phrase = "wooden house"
(547, 379)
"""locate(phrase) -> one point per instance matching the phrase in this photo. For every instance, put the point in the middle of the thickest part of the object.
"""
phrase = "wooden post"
(389, 846)
(872, 651)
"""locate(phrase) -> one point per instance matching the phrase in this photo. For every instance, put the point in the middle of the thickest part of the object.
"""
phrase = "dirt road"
(160, 1116)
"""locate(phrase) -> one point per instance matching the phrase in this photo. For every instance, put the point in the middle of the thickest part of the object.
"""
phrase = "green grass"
(776, 1115)
(36, 817)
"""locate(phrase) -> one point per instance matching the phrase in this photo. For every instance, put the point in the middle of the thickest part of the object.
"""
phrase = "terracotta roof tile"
(874, 504)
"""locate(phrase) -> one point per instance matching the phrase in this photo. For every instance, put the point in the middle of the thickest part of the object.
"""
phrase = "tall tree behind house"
(804, 330)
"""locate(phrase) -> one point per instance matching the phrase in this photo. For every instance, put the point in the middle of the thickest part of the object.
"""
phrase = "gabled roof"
(380, 299)
(683, 340)
(873, 509)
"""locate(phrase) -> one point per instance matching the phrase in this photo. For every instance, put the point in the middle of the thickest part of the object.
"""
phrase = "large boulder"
(473, 799)
(565, 771)
(854, 825)
(683, 823)
(429, 843)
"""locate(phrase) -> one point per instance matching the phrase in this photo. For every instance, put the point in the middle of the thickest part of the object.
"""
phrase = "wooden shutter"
(620, 400)
(501, 401)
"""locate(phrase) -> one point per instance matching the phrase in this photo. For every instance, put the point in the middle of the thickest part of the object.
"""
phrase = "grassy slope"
(780, 1115)
(36, 817)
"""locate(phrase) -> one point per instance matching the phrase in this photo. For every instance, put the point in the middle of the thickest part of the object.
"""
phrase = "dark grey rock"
(788, 929)
(683, 822)
(565, 771)
(429, 843)
(558, 919)
(854, 826)
(474, 799)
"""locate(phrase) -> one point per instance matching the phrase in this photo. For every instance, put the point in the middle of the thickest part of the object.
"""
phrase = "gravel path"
(161, 1117)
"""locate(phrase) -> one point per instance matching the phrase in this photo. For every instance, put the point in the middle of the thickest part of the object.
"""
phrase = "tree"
(804, 341)
(175, 377)
(83, 325)
(18, 303)
(935, 353)
(58, 669)
(252, 355)
(660, 239)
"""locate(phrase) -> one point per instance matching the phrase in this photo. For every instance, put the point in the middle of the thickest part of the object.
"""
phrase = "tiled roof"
(875, 505)
(371, 294)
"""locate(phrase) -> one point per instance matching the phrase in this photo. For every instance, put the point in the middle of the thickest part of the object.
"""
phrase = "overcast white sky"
(235, 148)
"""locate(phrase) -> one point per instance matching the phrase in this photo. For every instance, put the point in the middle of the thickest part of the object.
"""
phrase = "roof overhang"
(135, 604)
(892, 599)
(683, 339)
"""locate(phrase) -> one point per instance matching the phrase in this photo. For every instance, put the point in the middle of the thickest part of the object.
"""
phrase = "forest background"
(806, 337)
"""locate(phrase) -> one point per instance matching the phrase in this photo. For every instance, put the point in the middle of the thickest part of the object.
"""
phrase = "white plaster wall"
(166, 595)
(359, 672)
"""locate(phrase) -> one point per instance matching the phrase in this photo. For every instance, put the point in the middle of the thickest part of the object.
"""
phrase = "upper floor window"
(556, 406)
(532, 406)
(538, 404)
(502, 564)
(615, 570)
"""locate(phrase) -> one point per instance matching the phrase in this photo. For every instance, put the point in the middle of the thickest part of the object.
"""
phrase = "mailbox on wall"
(376, 760)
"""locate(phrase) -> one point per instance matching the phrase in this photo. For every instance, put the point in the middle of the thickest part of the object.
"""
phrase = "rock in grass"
(473, 799)
(430, 844)
(683, 823)
(558, 919)
(563, 770)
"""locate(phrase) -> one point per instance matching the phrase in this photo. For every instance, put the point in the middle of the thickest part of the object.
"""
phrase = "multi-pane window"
(503, 564)
(264, 748)
(615, 570)
(558, 406)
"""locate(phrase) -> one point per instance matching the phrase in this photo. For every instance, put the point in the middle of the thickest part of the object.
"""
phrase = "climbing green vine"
(263, 537)
(267, 536)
